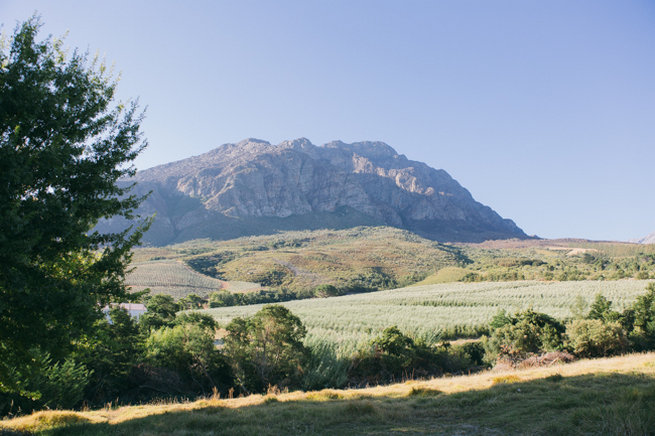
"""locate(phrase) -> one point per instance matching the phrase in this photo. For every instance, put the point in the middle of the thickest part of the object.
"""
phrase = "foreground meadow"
(601, 396)
(452, 309)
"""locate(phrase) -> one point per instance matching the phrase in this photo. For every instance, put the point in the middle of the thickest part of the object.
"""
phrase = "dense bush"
(225, 298)
(266, 349)
(188, 350)
(161, 312)
(516, 336)
(111, 351)
(595, 338)
(394, 356)
(643, 316)
(45, 384)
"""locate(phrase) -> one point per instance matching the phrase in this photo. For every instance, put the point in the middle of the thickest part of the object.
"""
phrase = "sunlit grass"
(601, 396)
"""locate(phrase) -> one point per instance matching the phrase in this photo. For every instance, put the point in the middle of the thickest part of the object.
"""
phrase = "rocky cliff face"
(255, 187)
(650, 239)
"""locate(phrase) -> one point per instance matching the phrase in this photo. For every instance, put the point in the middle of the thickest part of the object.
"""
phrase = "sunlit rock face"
(254, 187)
(650, 239)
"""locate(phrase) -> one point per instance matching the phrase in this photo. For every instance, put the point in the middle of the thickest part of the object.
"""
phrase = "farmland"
(175, 278)
(452, 309)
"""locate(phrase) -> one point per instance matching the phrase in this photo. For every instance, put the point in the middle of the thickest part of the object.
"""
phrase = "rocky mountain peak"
(374, 150)
(254, 187)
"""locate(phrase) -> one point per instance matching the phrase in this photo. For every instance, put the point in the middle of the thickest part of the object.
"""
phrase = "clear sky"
(544, 110)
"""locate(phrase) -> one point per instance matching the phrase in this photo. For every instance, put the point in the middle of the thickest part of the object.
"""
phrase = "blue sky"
(545, 111)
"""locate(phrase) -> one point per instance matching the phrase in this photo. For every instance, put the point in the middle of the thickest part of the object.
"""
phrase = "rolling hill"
(376, 258)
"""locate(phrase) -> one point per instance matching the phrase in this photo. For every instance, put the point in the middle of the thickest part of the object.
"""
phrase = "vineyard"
(452, 309)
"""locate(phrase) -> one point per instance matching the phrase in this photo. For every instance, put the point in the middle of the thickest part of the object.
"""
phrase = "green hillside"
(380, 257)
(371, 258)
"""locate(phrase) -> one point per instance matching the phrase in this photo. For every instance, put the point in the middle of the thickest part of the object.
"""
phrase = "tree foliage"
(266, 349)
(187, 349)
(596, 338)
(515, 336)
(643, 318)
(64, 144)
(394, 355)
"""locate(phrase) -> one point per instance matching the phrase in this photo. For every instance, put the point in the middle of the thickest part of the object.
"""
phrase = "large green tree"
(64, 144)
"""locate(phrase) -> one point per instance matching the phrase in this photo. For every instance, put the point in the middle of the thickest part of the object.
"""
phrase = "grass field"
(455, 309)
(602, 396)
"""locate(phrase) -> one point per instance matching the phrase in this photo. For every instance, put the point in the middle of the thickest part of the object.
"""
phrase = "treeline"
(170, 354)
(365, 282)
(585, 267)
(225, 298)
(588, 266)
(600, 332)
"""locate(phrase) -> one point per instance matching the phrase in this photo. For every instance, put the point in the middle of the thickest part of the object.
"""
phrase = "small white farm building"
(135, 310)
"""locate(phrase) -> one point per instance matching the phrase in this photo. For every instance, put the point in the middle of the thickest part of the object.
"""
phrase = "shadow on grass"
(589, 404)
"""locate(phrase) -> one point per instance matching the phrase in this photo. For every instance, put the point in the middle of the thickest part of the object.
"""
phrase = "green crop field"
(453, 309)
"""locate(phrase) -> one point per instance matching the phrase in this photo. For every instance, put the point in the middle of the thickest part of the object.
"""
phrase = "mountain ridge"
(254, 187)
(648, 239)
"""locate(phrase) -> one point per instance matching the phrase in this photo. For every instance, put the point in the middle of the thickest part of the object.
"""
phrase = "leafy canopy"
(266, 349)
(64, 144)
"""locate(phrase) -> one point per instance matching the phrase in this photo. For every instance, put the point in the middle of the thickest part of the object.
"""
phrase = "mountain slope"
(254, 187)
(650, 239)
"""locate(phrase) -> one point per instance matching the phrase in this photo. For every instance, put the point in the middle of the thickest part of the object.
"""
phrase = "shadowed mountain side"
(578, 405)
(254, 187)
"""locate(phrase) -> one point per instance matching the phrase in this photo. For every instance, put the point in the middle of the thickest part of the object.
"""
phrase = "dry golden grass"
(634, 365)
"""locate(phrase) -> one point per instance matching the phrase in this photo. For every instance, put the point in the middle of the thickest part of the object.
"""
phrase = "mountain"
(254, 187)
(650, 239)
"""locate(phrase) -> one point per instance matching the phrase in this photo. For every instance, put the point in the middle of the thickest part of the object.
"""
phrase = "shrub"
(45, 384)
(394, 355)
(522, 334)
(643, 311)
(326, 290)
(595, 338)
(266, 349)
(601, 309)
(188, 349)
(472, 351)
